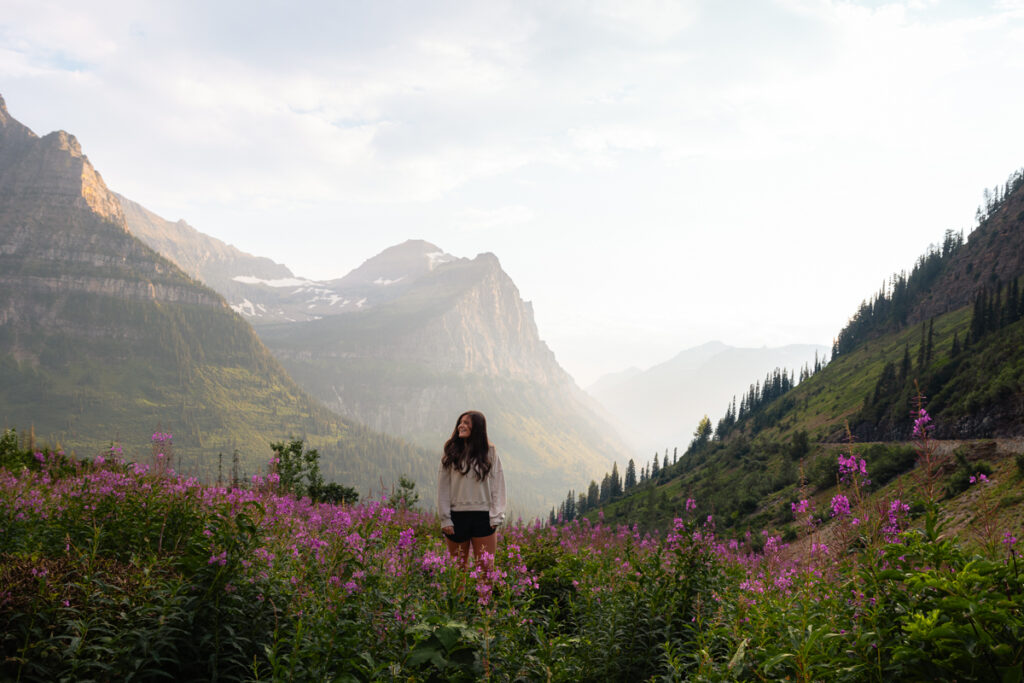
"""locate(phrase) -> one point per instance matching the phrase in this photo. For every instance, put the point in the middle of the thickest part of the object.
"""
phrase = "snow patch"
(246, 308)
(359, 304)
(282, 282)
(382, 281)
(436, 258)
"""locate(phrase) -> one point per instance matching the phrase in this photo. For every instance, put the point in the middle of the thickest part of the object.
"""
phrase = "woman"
(470, 490)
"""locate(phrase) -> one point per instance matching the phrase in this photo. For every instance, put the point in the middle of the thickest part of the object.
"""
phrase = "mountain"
(103, 339)
(662, 405)
(947, 337)
(994, 254)
(265, 292)
(405, 343)
(459, 337)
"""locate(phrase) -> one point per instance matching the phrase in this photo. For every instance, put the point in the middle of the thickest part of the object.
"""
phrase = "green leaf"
(448, 636)
(740, 653)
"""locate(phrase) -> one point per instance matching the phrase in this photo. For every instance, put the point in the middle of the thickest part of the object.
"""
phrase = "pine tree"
(978, 323)
(702, 435)
(905, 365)
(593, 495)
(616, 482)
(922, 350)
(931, 330)
(655, 468)
(1012, 303)
(630, 475)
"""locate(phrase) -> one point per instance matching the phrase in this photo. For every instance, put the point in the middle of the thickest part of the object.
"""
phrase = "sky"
(652, 175)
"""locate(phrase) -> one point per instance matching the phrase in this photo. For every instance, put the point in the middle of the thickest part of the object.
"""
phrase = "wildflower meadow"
(114, 570)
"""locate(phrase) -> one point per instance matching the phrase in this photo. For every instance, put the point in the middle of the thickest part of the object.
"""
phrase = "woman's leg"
(460, 551)
(485, 544)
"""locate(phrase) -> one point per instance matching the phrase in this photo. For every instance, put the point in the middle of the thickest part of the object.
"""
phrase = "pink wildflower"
(840, 505)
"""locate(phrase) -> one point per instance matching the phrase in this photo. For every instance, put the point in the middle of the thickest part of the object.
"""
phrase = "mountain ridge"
(102, 338)
(660, 406)
(460, 338)
(964, 367)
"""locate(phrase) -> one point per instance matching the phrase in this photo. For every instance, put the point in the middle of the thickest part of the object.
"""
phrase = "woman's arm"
(444, 497)
(496, 484)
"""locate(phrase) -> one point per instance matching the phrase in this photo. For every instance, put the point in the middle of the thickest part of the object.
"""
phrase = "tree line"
(888, 310)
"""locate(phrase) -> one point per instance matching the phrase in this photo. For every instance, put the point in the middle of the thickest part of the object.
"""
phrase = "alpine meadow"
(213, 468)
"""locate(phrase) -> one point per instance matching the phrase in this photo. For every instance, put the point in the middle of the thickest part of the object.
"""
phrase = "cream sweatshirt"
(457, 491)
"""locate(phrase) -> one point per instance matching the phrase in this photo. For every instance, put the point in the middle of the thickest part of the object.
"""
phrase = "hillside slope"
(103, 339)
(662, 405)
(965, 365)
(458, 338)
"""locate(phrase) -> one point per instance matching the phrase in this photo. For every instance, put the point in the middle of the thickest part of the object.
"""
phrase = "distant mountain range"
(660, 407)
(265, 292)
(947, 335)
(115, 323)
(102, 339)
(406, 342)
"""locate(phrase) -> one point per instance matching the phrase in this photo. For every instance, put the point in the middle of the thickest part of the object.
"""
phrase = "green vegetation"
(112, 571)
(197, 371)
(781, 437)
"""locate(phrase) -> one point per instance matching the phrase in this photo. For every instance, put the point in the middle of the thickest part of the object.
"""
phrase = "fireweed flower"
(922, 425)
(898, 510)
(853, 469)
(800, 508)
(840, 506)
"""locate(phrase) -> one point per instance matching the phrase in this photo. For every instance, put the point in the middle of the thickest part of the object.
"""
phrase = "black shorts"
(470, 524)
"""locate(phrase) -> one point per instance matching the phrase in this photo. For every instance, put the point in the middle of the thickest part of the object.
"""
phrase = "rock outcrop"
(102, 338)
(460, 337)
(993, 254)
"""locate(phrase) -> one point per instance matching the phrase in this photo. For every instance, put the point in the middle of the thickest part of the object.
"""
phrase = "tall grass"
(113, 571)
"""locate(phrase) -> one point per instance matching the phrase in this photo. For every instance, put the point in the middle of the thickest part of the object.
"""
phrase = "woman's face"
(465, 427)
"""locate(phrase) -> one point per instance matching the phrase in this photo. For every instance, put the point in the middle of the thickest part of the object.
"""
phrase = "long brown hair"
(469, 454)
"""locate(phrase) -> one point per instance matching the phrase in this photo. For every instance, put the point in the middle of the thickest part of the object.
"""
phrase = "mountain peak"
(489, 258)
(64, 141)
(54, 166)
(401, 263)
(13, 133)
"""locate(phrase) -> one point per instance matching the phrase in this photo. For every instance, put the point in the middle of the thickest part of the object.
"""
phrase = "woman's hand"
(448, 530)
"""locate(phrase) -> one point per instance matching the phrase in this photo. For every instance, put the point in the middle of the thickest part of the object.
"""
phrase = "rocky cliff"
(993, 254)
(459, 338)
(103, 339)
(265, 292)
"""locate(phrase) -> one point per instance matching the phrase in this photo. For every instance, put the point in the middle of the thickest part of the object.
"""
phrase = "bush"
(824, 472)
(888, 462)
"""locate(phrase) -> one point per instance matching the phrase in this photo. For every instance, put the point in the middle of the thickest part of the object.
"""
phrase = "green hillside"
(458, 338)
(965, 366)
(103, 340)
(197, 372)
